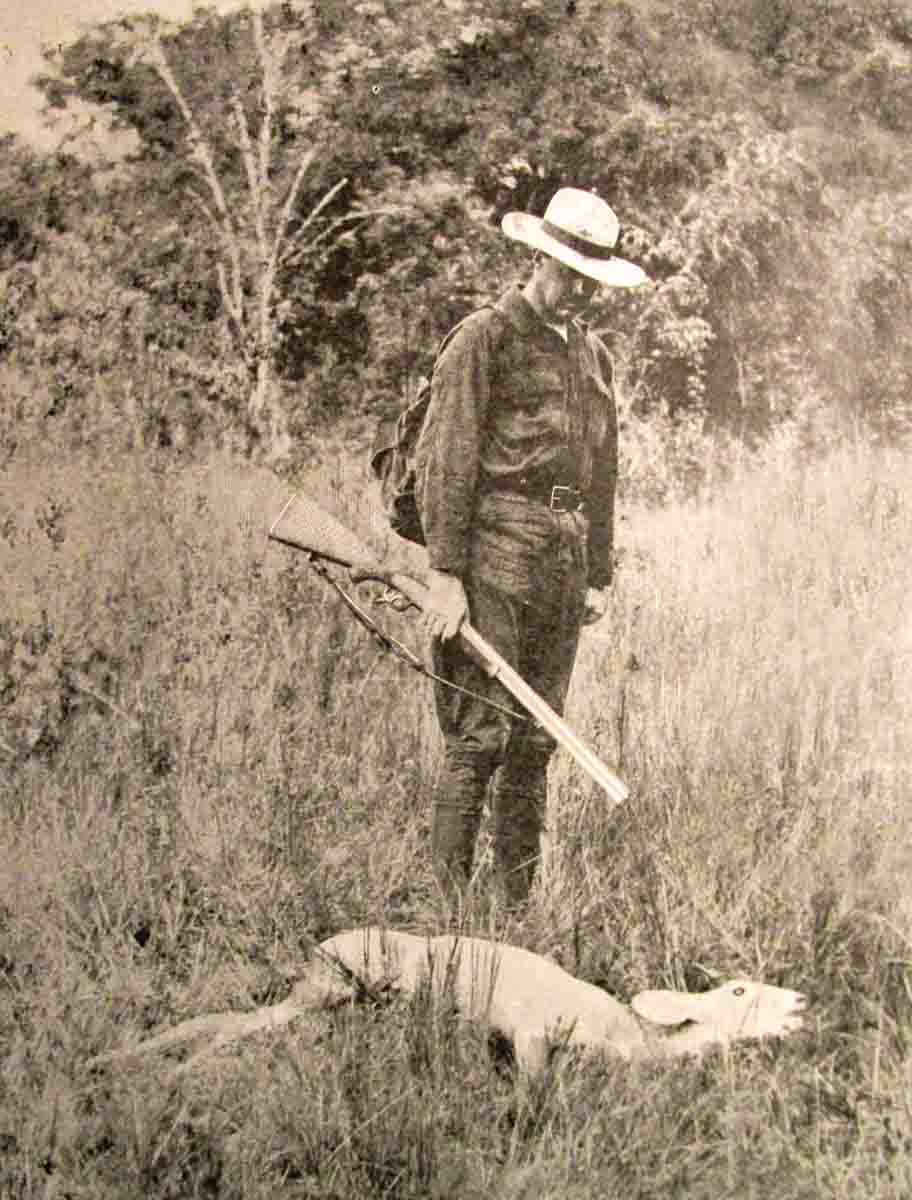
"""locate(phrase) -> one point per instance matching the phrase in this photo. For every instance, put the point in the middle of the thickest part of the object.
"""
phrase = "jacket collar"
(522, 316)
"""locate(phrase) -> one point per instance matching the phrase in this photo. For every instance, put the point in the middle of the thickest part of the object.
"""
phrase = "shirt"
(511, 404)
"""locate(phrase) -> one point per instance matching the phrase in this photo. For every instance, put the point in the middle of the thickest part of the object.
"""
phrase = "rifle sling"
(398, 649)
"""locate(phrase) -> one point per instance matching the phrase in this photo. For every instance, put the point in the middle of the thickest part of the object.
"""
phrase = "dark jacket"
(512, 401)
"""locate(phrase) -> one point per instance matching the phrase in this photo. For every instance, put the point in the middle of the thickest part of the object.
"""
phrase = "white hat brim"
(615, 272)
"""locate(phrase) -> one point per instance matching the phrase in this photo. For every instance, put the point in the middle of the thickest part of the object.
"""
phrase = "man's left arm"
(601, 497)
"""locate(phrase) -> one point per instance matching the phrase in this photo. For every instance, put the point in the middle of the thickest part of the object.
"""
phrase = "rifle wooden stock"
(303, 524)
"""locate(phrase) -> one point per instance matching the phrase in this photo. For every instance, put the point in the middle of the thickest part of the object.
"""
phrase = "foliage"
(440, 122)
(873, 247)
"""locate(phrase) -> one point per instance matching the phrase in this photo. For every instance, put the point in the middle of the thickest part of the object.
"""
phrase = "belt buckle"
(557, 504)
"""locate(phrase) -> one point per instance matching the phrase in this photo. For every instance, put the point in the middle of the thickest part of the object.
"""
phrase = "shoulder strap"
(488, 307)
(448, 337)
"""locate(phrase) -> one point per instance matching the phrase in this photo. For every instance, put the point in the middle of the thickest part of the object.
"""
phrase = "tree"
(253, 237)
(264, 140)
(241, 142)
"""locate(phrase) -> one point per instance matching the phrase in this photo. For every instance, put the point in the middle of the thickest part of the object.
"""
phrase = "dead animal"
(518, 994)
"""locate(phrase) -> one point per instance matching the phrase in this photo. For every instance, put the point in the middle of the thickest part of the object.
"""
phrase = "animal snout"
(793, 1019)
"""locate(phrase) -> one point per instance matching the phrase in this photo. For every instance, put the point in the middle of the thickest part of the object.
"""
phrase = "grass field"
(208, 766)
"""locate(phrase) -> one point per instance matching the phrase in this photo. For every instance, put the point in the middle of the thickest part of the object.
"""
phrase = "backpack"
(393, 458)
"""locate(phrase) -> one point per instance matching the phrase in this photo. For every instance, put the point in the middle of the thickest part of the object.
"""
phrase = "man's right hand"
(446, 606)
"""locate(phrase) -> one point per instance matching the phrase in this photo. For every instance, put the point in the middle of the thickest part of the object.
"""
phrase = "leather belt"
(559, 497)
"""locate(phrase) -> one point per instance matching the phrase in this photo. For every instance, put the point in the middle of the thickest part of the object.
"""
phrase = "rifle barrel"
(501, 670)
(302, 523)
(498, 667)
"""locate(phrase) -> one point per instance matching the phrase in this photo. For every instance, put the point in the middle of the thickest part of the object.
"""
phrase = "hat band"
(573, 242)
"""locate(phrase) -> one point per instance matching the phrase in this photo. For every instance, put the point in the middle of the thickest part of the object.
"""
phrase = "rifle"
(303, 524)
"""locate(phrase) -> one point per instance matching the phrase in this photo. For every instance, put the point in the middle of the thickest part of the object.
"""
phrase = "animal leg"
(196, 1028)
(217, 1030)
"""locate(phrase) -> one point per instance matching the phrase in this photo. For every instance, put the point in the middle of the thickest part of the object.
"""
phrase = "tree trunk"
(265, 415)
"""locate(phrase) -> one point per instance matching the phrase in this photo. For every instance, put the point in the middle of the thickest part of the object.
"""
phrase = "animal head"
(738, 1009)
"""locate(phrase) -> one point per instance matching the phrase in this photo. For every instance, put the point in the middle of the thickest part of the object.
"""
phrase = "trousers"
(529, 605)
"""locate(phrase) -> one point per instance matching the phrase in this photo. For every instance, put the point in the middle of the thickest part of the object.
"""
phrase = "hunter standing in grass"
(517, 477)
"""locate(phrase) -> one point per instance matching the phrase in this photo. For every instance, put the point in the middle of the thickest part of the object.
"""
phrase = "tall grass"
(208, 767)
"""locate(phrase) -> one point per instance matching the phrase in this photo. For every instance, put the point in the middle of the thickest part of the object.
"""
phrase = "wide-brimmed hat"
(580, 230)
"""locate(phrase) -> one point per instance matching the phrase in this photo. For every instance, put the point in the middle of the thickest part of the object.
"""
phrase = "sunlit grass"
(209, 766)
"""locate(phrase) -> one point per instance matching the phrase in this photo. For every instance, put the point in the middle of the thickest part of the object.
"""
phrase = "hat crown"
(580, 230)
(584, 215)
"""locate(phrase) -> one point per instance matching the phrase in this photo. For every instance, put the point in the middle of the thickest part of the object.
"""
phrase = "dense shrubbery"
(750, 174)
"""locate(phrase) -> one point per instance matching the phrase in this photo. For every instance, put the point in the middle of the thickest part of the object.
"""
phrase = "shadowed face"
(558, 293)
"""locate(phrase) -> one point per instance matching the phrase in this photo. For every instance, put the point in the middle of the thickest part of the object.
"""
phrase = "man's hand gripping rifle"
(303, 524)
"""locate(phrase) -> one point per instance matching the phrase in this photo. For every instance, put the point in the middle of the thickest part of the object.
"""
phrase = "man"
(517, 480)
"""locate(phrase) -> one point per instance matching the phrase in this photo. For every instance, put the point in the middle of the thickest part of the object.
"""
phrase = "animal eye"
(738, 991)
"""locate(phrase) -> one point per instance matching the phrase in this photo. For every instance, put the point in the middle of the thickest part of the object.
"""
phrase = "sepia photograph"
(455, 620)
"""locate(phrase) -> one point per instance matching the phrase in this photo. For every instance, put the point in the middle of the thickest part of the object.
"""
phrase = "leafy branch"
(253, 239)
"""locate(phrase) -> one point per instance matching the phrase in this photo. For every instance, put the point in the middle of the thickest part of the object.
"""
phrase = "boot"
(519, 816)
(458, 806)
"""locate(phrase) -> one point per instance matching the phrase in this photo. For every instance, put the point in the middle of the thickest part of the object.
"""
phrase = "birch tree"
(262, 231)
